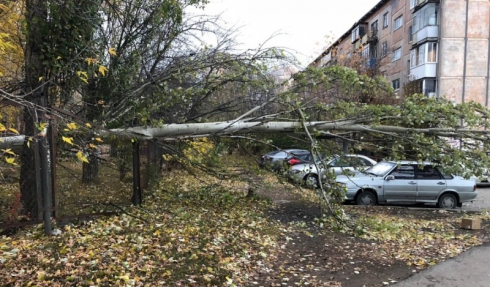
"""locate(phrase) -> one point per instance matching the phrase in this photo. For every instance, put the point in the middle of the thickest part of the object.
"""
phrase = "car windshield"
(381, 168)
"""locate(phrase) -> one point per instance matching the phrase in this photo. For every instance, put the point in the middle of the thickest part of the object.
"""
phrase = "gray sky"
(304, 25)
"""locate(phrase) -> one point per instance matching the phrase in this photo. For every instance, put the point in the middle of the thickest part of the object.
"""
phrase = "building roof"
(347, 33)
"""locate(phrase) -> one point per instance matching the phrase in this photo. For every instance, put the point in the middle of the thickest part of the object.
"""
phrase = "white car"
(407, 182)
(307, 173)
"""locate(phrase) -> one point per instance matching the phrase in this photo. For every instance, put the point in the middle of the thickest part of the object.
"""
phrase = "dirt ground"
(329, 259)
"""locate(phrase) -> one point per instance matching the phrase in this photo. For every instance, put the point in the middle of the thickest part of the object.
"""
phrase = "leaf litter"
(207, 233)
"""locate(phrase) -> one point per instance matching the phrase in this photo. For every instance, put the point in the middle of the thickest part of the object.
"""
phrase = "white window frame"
(365, 52)
(413, 3)
(393, 84)
(421, 54)
(398, 23)
(431, 47)
(397, 54)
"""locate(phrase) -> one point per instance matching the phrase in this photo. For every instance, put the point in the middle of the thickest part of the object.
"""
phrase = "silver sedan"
(308, 174)
(408, 182)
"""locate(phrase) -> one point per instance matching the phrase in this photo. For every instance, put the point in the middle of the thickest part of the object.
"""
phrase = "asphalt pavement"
(470, 269)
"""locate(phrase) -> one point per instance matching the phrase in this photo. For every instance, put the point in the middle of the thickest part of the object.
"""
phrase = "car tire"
(447, 201)
(366, 197)
(311, 180)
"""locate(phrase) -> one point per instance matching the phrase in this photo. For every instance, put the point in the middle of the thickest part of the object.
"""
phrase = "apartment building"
(436, 47)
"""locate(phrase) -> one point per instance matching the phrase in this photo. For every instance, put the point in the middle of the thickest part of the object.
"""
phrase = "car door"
(430, 183)
(403, 187)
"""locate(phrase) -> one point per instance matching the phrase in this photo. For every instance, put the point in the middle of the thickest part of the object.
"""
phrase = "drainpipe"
(465, 51)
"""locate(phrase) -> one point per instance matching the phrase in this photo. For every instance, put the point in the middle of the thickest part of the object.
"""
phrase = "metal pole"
(46, 185)
(137, 197)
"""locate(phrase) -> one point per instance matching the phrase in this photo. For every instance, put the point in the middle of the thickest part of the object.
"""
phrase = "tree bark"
(30, 184)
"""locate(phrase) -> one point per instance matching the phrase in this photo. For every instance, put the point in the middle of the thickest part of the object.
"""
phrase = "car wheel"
(366, 197)
(311, 180)
(447, 201)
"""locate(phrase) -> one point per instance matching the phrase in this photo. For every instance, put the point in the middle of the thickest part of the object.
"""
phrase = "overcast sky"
(303, 24)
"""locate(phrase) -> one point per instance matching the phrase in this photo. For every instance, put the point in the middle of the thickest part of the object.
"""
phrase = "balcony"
(427, 70)
(371, 63)
(372, 37)
(364, 39)
(421, 3)
(426, 33)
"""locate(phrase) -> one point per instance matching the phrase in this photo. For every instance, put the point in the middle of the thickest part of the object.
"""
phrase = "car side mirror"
(390, 177)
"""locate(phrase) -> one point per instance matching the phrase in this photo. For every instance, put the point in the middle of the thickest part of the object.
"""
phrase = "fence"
(49, 180)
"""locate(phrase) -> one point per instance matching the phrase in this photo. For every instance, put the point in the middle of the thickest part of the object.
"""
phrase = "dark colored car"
(275, 160)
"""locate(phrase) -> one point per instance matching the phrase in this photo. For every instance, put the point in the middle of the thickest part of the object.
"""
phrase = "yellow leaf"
(88, 125)
(58, 58)
(42, 126)
(89, 61)
(99, 139)
(40, 79)
(67, 140)
(9, 151)
(102, 70)
(82, 74)
(2, 128)
(10, 160)
(81, 157)
(71, 126)
(112, 51)
(14, 130)
(92, 145)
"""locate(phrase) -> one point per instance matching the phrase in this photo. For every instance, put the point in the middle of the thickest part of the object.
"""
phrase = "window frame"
(397, 50)
(397, 81)
(384, 49)
(413, 3)
(385, 20)
(423, 54)
(398, 23)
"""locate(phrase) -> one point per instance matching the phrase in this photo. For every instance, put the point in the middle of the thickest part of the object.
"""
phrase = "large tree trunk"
(93, 111)
(30, 183)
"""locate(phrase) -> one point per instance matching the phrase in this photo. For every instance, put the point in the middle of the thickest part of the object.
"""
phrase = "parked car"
(307, 173)
(408, 182)
(276, 160)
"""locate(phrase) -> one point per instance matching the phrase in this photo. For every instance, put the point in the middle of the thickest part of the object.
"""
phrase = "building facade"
(436, 47)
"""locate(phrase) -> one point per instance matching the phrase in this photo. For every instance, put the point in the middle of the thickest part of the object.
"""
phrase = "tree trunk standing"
(92, 112)
(91, 169)
(30, 181)
(36, 12)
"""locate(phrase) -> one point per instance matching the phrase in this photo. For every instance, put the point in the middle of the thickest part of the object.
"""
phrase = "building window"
(365, 52)
(427, 16)
(374, 51)
(374, 28)
(429, 87)
(426, 53)
(397, 54)
(410, 37)
(395, 84)
(413, 3)
(355, 34)
(385, 20)
(398, 22)
(384, 49)
(431, 52)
